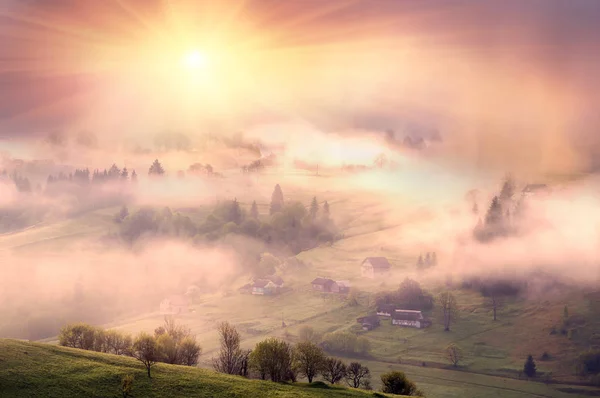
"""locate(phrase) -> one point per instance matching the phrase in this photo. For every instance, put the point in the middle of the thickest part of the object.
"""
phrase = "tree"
(134, 177)
(122, 215)
(156, 169)
(306, 333)
(146, 350)
(314, 209)
(124, 174)
(254, 210)
(273, 358)
(494, 214)
(117, 342)
(397, 383)
(309, 359)
(508, 189)
(475, 209)
(448, 308)
(189, 352)
(277, 200)
(167, 346)
(357, 375)
(420, 262)
(529, 368)
(326, 213)
(127, 386)
(78, 335)
(235, 212)
(334, 370)
(230, 356)
(454, 354)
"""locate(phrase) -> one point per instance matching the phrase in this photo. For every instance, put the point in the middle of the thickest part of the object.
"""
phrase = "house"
(386, 310)
(344, 286)
(277, 280)
(247, 288)
(372, 267)
(175, 305)
(325, 285)
(369, 322)
(409, 318)
(532, 189)
(263, 287)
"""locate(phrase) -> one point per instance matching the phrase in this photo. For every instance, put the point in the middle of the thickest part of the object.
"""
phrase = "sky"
(497, 77)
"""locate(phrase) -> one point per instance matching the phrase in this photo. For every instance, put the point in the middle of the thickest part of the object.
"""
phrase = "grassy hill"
(33, 369)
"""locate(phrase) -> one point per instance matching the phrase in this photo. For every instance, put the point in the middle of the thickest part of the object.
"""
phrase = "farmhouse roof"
(378, 262)
(261, 283)
(322, 281)
(275, 279)
(534, 187)
(407, 315)
(387, 308)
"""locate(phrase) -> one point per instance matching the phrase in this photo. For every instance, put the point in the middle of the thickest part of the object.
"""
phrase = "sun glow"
(195, 60)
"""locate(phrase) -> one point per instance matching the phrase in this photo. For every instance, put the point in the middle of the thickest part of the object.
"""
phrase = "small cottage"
(263, 287)
(373, 267)
(344, 286)
(178, 304)
(325, 285)
(409, 318)
(277, 280)
(369, 322)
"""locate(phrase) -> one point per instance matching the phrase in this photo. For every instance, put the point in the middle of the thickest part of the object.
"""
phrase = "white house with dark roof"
(409, 318)
(373, 267)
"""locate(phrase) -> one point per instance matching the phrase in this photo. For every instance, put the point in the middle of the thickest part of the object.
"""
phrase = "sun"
(195, 60)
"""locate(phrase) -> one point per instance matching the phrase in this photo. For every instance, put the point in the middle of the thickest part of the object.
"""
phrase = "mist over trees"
(410, 295)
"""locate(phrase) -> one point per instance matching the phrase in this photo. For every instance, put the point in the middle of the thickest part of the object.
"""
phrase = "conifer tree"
(494, 214)
(124, 174)
(254, 210)
(314, 209)
(420, 261)
(134, 177)
(529, 368)
(156, 169)
(276, 200)
(326, 210)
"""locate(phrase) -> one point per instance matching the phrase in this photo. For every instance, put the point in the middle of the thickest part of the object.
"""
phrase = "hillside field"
(42, 370)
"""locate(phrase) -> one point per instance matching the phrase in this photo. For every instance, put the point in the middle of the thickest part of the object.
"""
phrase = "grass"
(34, 369)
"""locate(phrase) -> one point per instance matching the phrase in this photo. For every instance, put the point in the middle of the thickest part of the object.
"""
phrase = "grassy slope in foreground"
(33, 369)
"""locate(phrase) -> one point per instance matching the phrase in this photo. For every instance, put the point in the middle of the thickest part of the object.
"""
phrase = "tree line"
(171, 343)
(279, 361)
(288, 224)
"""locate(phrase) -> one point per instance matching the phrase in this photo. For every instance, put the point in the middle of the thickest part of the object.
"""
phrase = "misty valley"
(299, 198)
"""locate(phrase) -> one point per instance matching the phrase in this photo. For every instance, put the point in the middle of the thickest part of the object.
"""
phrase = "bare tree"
(357, 375)
(146, 350)
(230, 359)
(448, 308)
(334, 370)
(454, 354)
(309, 359)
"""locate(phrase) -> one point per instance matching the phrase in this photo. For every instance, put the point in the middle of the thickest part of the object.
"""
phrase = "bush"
(127, 386)
(397, 383)
(545, 356)
(589, 363)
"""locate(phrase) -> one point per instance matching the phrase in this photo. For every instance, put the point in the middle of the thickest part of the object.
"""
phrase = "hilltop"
(34, 369)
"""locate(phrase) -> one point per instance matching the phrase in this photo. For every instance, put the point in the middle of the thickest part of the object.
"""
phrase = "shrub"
(397, 383)
(589, 363)
(127, 386)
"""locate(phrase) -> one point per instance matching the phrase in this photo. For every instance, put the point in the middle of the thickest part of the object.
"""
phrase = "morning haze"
(299, 199)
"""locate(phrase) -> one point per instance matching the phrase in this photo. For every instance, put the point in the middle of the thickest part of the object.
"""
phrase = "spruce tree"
(314, 209)
(134, 177)
(156, 169)
(494, 214)
(420, 262)
(124, 174)
(326, 210)
(428, 259)
(529, 368)
(254, 210)
(276, 200)
(508, 189)
(235, 213)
